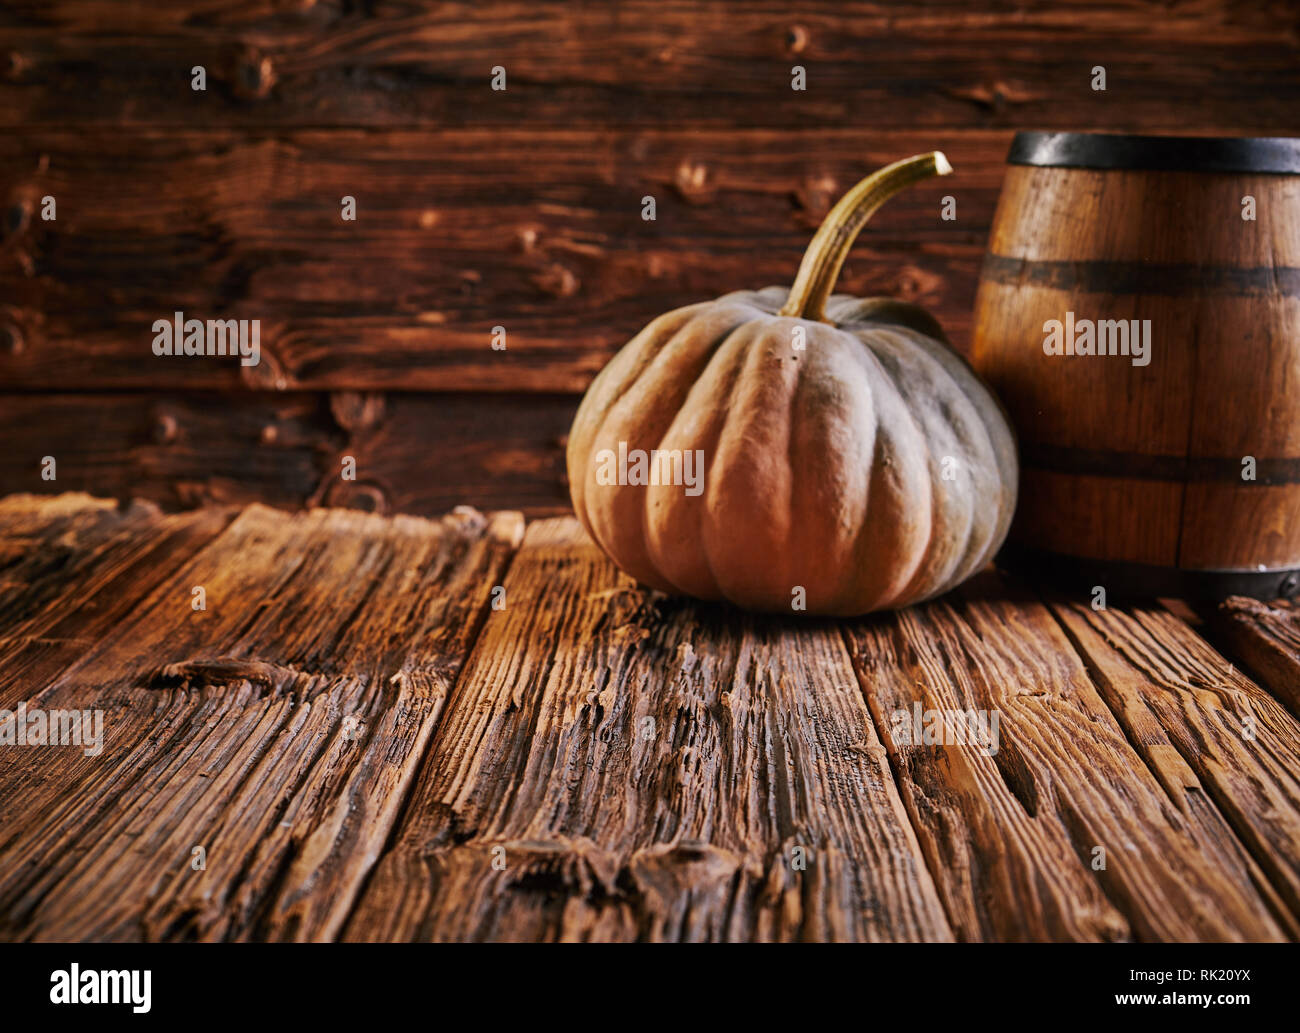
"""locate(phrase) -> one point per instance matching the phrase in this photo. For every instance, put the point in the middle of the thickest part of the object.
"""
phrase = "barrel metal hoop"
(1081, 575)
(1266, 154)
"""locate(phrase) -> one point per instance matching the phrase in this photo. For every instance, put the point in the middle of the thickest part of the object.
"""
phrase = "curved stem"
(825, 256)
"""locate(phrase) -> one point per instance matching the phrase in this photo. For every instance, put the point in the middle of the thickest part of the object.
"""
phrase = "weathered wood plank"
(40, 536)
(421, 454)
(1266, 636)
(613, 765)
(177, 450)
(1206, 729)
(73, 567)
(400, 62)
(456, 233)
(618, 766)
(1013, 838)
(278, 729)
(426, 455)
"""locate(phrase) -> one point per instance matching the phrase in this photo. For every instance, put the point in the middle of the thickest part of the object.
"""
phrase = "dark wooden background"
(479, 208)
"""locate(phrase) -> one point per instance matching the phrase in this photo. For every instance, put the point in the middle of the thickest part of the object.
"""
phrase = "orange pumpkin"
(794, 450)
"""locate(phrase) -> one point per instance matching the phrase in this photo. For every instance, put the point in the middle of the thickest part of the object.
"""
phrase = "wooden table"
(362, 737)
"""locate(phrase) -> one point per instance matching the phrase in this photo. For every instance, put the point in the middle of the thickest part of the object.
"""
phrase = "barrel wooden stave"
(1143, 464)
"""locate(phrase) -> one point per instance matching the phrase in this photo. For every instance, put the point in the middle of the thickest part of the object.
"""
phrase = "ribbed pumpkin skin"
(824, 468)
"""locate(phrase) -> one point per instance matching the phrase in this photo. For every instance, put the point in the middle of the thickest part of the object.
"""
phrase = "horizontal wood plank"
(619, 766)
(428, 454)
(641, 62)
(177, 450)
(277, 729)
(456, 233)
(418, 453)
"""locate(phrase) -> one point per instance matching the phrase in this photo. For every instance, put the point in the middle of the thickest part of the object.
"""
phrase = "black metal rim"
(1267, 154)
(1128, 580)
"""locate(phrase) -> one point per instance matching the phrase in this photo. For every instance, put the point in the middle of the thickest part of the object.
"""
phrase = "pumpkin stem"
(825, 256)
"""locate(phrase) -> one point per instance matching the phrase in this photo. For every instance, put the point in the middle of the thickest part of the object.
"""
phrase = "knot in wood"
(164, 429)
(11, 339)
(254, 75)
(558, 280)
(692, 181)
(16, 65)
(17, 217)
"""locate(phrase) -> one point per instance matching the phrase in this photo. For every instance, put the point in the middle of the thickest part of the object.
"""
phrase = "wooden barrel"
(1176, 470)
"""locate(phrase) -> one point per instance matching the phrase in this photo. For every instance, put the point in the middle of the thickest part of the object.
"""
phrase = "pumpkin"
(797, 450)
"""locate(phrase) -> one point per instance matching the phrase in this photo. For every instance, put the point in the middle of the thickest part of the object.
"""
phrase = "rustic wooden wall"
(479, 208)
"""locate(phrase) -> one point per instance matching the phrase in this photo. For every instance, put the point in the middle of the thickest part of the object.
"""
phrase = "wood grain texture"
(402, 62)
(367, 748)
(1144, 462)
(1014, 838)
(456, 233)
(419, 453)
(1266, 637)
(1208, 731)
(521, 208)
(278, 729)
(178, 450)
(112, 554)
(648, 769)
(426, 454)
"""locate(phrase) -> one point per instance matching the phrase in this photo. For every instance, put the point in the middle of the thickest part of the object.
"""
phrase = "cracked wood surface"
(1267, 638)
(680, 753)
(369, 742)
(1016, 836)
(277, 729)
